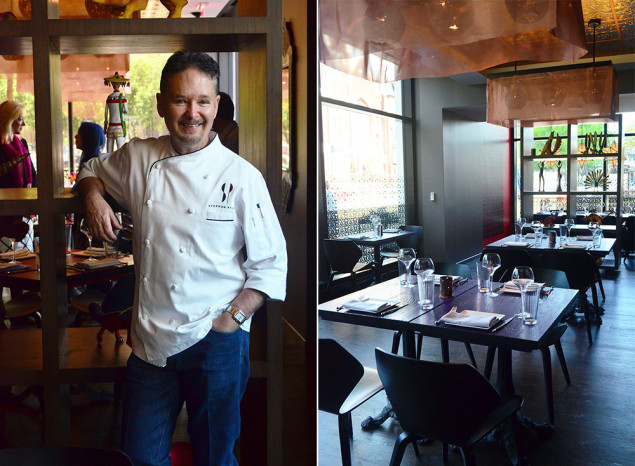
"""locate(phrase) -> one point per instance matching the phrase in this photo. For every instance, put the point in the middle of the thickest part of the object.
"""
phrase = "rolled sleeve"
(266, 264)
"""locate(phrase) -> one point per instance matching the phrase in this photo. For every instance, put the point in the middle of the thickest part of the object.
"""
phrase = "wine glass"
(569, 223)
(424, 268)
(536, 225)
(491, 262)
(83, 227)
(13, 250)
(406, 257)
(521, 222)
(522, 277)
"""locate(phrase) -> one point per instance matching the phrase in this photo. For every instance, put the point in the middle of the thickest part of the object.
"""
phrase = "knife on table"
(500, 325)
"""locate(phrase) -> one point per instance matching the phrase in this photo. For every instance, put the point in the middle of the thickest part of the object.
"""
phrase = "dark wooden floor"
(595, 415)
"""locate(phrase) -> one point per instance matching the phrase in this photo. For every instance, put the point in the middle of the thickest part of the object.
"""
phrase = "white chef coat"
(192, 216)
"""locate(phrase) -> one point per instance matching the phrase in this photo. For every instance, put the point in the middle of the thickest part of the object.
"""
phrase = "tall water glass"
(523, 276)
(597, 238)
(569, 224)
(406, 257)
(424, 268)
(531, 300)
(563, 233)
(482, 275)
(538, 234)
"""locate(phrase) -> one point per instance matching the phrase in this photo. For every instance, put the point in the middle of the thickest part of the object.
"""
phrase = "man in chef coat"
(208, 250)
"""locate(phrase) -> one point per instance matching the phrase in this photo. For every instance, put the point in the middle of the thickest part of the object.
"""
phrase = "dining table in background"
(369, 239)
(605, 247)
(29, 278)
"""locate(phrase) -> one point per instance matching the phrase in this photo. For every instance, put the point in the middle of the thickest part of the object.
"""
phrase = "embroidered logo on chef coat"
(226, 189)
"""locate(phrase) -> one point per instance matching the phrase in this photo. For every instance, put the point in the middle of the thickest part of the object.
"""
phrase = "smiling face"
(189, 107)
(18, 124)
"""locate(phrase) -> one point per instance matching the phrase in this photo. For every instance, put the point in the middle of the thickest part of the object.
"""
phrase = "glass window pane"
(364, 175)
(346, 88)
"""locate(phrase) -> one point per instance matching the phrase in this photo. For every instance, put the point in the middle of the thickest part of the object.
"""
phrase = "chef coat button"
(144, 316)
(172, 322)
(181, 250)
(147, 242)
(190, 210)
(149, 202)
(157, 166)
(145, 279)
(173, 287)
(205, 177)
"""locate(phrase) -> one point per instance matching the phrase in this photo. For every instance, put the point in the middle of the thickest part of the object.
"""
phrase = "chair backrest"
(610, 219)
(510, 258)
(446, 402)
(63, 456)
(121, 296)
(412, 241)
(449, 268)
(579, 266)
(342, 254)
(338, 373)
(628, 234)
(551, 277)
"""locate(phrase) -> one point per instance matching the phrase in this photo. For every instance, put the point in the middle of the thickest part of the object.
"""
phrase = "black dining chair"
(557, 279)
(343, 385)
(628, 237)
(411, 241)
(343, 257)
(452, 403)
(582, 274)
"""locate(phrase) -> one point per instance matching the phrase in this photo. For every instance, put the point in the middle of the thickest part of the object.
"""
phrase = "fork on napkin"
(474, 319)
(369, 305)
(511, 287)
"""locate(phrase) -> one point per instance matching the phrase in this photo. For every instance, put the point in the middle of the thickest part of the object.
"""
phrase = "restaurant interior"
(59, 387)
(467, 163)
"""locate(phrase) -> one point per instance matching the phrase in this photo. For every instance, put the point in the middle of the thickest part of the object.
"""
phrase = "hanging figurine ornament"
(116, 107)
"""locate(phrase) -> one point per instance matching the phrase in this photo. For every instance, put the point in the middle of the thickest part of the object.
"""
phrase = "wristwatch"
(236, 314)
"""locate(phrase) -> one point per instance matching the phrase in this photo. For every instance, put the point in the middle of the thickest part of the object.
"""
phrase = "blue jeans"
(210, 377)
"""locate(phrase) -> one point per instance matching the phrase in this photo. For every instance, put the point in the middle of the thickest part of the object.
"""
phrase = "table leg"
(378, 261)
(529, 434)
(409, 351)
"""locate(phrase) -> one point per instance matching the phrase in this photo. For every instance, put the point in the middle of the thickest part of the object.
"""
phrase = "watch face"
(237, 314)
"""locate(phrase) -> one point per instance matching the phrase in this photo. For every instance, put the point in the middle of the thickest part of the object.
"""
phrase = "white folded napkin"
(19, 254)
(370, 305)
(98, 264)
(530, 235)
(511, 287)
(392, 230)
(585, 238)
(573, 246)
(522, 244)
(476, 319)
(6, 266)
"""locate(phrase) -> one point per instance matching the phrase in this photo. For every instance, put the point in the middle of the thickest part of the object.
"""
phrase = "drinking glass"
(83, 227)
(13, 250)
(424, 268)
(593, 226)
(406, 257)
(482, 275)
(563, 233)
(521, 223)
(523, 276)
(491, 262)
(569, 224)
(537, 227)
(597, 238)
(530, 302)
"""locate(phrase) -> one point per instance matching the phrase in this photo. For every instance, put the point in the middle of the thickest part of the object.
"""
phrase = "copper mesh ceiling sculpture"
(389, 40)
